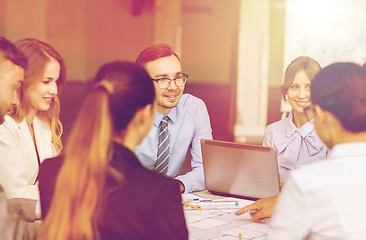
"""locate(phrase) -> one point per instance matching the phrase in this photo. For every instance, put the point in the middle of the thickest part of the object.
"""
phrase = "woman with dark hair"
(32, 132)
(321, 200)
(294, 137)
(102, 191)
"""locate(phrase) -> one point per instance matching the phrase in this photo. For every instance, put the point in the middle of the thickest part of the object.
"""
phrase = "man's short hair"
(155, 52)
(9, 52)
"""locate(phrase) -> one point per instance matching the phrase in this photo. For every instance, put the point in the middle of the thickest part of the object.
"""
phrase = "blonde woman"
(98, 189)
(294, 137)
(32, 132)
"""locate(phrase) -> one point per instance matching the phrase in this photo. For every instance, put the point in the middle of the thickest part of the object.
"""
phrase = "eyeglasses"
(179, 81)
(309, 112)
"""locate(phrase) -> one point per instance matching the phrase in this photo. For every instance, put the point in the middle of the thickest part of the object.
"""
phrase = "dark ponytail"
(340, 88)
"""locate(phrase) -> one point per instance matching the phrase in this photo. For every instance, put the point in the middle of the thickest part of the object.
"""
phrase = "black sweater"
(145, 205)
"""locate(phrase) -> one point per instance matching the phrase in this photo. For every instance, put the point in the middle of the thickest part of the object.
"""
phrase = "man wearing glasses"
(181, 121)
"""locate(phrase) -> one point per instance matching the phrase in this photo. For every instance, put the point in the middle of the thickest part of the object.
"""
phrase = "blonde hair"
(80, 197)
(306, 64)
(121, 89)
(39, 54)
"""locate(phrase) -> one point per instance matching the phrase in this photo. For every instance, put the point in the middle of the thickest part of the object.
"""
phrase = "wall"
(209, 55)
(24, 18)
(2, 17)
(210, 31)
(86, 33)
(253, 62)
(113, 32)
(276, 56)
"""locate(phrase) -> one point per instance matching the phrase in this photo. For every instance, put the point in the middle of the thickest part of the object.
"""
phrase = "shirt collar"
(23, 123)
(304, 130)
(172, 116)
(344, 150)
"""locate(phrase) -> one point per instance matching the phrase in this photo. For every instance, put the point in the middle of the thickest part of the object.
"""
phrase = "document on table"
(221, 223)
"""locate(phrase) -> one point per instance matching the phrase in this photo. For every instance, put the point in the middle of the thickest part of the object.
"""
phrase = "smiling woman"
(42, 92)
(32, 132)
(298, 95)
(294, 137)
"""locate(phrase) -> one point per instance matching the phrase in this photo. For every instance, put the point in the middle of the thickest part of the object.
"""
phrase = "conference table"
(216, 218)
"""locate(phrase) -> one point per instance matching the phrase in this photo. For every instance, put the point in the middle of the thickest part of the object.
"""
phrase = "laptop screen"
(240, 170)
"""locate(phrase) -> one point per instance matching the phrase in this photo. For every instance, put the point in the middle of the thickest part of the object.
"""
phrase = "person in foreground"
(294, 137)
(186, 118)
(101, 191)
(12, 65)
(324, 200)
(32, 132)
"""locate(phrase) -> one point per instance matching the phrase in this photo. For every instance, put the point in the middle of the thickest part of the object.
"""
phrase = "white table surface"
(221, 223)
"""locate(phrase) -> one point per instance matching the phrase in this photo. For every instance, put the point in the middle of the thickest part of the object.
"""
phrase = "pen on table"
(191, 205)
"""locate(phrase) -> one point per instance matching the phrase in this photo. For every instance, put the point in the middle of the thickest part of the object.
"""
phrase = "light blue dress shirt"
(295, 146)
(189, 122)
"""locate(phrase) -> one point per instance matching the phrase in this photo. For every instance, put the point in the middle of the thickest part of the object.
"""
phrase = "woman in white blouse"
(32, 132)
(294, 137)
(322, 200)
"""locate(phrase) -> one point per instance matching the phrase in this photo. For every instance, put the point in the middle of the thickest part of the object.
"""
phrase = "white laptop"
(240, 170)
